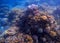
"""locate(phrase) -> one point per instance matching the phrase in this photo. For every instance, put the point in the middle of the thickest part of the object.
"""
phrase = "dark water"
(7, 5)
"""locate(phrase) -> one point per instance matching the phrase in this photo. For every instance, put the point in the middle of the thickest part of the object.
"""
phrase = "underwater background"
(52, 6)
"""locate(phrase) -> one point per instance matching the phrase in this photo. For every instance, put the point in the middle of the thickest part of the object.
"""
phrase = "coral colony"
(31, 25)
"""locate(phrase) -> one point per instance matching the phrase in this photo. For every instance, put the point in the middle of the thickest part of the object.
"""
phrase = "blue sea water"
(13, 3)
(6, 5)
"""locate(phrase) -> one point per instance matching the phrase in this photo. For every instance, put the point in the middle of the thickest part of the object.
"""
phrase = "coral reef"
(31, 26)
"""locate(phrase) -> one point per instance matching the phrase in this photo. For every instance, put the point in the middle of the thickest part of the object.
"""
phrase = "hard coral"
(33, 23)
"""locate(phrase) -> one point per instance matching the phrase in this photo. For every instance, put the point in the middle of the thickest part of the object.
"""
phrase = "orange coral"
(29, 39)
(44, 17)
(52, 33)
